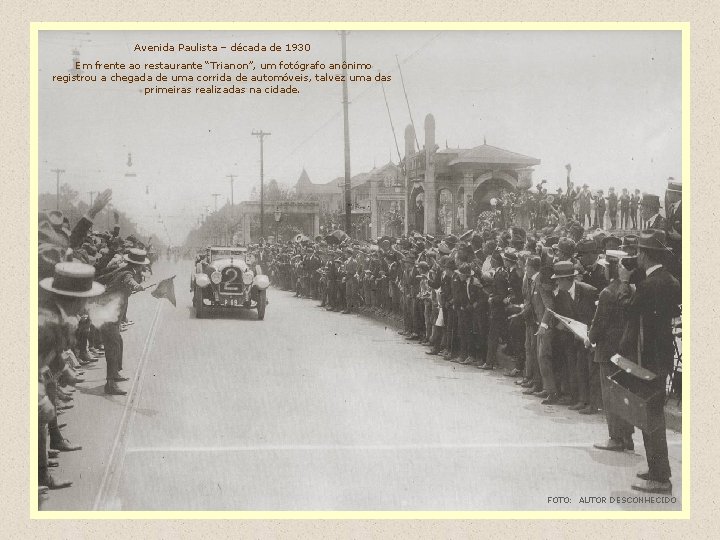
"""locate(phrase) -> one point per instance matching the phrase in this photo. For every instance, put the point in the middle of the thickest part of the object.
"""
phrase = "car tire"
(261, 303)
(198, 303)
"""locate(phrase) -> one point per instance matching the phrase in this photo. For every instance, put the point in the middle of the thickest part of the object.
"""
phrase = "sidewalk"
(673, 410)
(95, 417)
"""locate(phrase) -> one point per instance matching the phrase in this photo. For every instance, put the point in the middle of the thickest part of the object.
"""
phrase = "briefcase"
(629, 395)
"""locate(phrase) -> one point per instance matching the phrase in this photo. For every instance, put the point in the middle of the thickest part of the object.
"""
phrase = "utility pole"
(216, 195)
(346, 126)
(91, 193)
(261, 135)
(58, 172)
(232, 196)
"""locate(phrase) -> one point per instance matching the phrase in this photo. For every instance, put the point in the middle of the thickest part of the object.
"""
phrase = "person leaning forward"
(124, 283)
(62, 298)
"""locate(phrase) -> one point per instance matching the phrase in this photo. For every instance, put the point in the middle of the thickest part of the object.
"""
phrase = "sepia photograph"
(358, 270)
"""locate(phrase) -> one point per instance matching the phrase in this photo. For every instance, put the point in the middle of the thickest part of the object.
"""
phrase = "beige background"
(704, 17)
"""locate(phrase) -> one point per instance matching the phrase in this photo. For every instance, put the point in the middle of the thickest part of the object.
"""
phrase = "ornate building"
(382, 185)
(456, 184)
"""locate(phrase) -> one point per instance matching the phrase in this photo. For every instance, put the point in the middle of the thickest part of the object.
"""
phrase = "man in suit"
(612, 207)
(543, 300)
(496, 303)
(605, 332)
(624, 208)
(533, 380)
(656, 221)
(461, 301)
(648, 339)
(634, 207)
(584, 206)
(600, 209)
(124, 283)
(576, 300)
(593, 273)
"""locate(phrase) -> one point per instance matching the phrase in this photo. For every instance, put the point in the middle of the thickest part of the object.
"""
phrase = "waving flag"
(166, 289)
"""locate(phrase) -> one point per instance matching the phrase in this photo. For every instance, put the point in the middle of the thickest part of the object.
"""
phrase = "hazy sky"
(609, 103)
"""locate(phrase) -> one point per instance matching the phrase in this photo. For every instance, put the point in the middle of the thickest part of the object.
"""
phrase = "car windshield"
(216, 254)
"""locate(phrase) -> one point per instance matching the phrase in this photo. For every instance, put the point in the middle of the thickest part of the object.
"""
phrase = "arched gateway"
(472, 177)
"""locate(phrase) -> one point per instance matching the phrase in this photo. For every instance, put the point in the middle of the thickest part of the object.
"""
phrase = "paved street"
(310, 410)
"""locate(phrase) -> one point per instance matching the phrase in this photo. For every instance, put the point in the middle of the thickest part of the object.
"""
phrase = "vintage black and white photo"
(364, 270)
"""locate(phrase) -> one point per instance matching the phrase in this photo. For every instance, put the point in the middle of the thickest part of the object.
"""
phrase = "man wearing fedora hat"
(648, 339)
(61, 301)
(605, 332)
(125, 282)
(575, 300)
(592, 273)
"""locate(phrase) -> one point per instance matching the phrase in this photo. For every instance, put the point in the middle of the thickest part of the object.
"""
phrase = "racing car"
(228, 278)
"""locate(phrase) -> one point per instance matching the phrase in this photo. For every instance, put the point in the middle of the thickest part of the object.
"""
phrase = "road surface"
(311, 410)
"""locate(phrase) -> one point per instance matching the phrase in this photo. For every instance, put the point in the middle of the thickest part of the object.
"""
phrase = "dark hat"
(465, 269)
(564, 269)
(546, 258)
(450, 263)
(551, 241)
(423, 266)
(73, 279)
(444, 248)
(136, 256)
(567, 246)
(451, 240)
(587, 246)
(630, 240)
(653, 239)
(611, 242)
(510, 254)
(630, 245)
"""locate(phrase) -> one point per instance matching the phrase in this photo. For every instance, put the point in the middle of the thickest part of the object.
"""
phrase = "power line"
(363, 93)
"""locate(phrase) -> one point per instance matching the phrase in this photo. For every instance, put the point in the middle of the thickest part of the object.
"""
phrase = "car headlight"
(216, 277)
(201, 280)
(248, 278)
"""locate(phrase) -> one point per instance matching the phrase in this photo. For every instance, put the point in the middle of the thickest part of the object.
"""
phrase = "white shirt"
(652, 269)
(571, 290)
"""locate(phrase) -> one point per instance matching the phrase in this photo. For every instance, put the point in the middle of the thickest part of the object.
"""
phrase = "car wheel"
(198, 303)
(261, 303)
